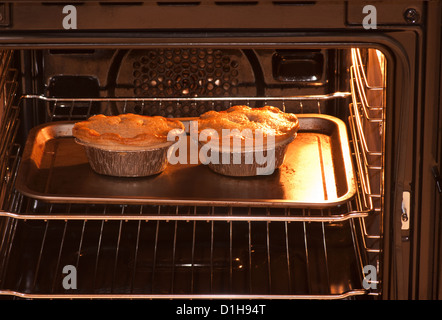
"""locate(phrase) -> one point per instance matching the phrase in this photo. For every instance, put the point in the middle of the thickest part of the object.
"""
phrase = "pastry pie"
(250, 128)
(126, 131)
(127, 145)
(236, 120)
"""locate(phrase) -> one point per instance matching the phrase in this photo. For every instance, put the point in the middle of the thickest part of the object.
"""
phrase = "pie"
(126, 131)
(244, 123)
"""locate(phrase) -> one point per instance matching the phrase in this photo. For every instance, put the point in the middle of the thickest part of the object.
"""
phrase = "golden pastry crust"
(126, 131)
(268, 119)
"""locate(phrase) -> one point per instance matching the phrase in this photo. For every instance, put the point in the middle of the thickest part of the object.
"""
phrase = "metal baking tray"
(317, 173)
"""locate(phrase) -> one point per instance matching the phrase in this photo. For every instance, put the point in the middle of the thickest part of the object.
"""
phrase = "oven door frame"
(409, 255)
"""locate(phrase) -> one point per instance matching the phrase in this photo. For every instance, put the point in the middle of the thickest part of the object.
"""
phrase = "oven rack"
(182, 259)
(71, 108)
(80, 108)
(356, 207)
(25, 208)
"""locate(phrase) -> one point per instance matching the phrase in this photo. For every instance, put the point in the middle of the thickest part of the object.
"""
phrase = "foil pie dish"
(126, 163)
(247, 163)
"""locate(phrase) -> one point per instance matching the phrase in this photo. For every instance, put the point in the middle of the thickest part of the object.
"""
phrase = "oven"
(354, 212)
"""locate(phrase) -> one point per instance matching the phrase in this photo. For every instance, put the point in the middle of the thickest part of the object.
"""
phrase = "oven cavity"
(192, 233)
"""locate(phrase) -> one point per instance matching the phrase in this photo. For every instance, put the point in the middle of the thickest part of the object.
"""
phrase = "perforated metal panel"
(185, 72)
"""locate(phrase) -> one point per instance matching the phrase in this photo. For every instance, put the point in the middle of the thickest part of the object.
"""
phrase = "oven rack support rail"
(364, 118)
(367, 118)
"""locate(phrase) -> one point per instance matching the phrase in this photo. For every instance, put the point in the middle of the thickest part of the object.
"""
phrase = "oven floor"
(181, 258)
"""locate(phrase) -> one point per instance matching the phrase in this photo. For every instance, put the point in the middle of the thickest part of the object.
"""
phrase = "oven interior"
(166, 248)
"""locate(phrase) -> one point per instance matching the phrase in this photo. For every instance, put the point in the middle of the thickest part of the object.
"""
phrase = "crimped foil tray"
(317, 173)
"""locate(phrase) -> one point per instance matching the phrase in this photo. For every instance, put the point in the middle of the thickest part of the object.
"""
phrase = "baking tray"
(317, 173)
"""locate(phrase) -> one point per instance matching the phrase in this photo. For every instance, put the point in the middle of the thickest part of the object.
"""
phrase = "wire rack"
(60, 108)
(182, 259)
